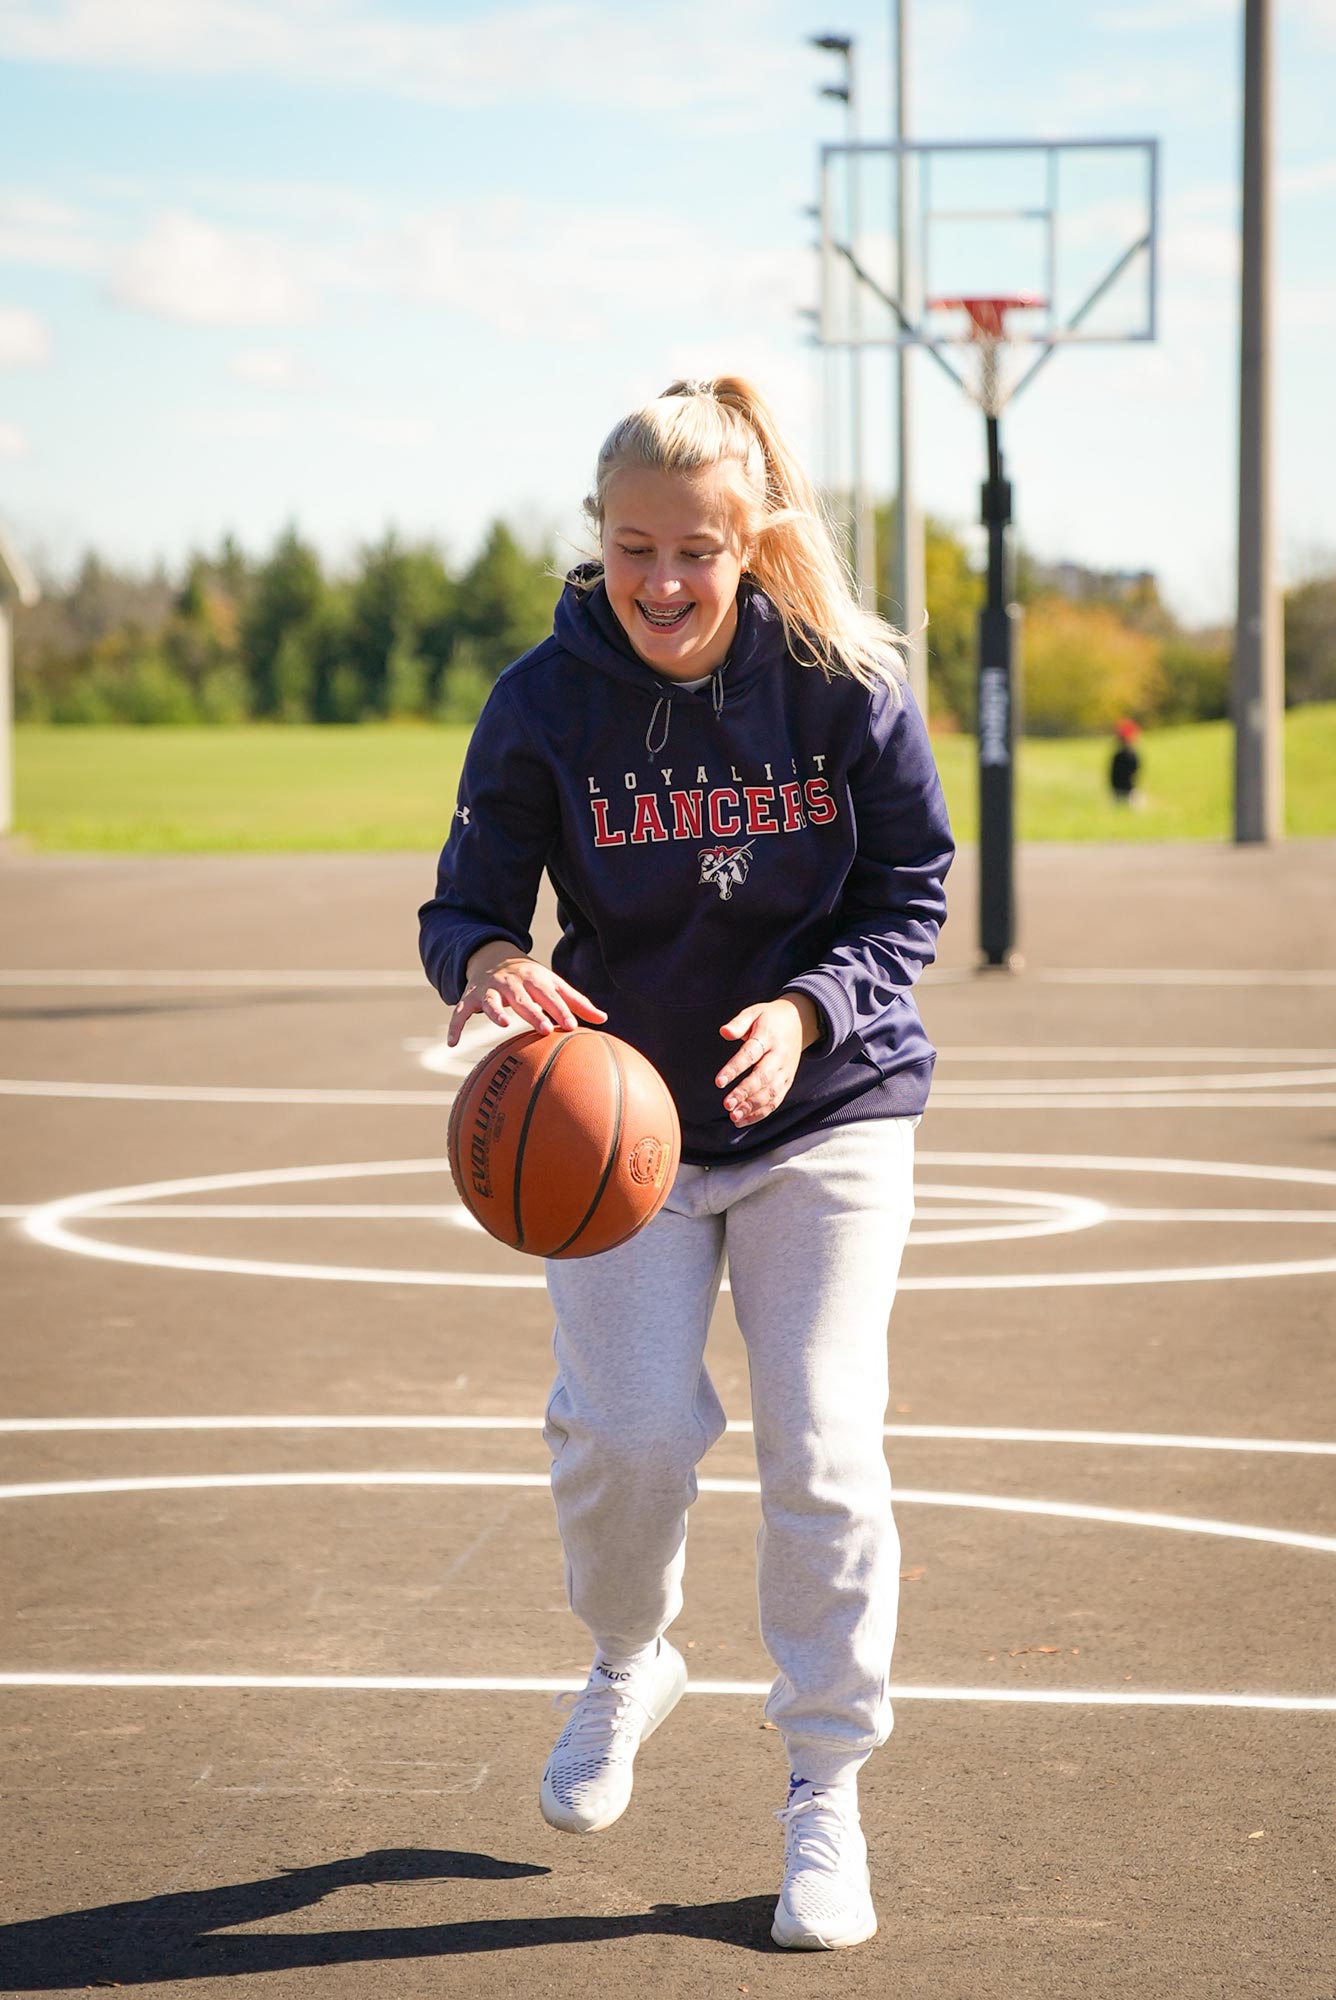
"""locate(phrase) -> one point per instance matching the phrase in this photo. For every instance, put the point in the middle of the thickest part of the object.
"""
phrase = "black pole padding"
(997, 734)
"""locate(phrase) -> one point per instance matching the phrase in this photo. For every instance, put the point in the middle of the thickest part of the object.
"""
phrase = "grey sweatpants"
(812, 1233)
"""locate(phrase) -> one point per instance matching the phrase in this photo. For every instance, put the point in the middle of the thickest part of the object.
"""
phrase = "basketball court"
(286, 1618)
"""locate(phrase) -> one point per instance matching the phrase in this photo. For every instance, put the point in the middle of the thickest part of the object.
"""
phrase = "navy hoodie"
(770, 832)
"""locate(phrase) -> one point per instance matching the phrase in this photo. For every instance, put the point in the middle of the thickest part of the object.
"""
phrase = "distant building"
(1082, 585)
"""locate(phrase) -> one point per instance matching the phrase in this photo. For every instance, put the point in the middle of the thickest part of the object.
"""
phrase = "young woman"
(717, 762)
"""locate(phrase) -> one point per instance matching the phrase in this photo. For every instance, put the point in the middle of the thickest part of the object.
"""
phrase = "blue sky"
(363, 263)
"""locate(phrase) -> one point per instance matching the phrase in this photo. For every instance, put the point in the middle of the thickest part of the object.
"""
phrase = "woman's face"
(672, 562)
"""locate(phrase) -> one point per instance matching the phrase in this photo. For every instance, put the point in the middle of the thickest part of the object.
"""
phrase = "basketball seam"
(611, 1161)
(529, 1110)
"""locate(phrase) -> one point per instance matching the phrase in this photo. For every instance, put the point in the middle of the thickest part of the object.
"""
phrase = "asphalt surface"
(1112, 1769)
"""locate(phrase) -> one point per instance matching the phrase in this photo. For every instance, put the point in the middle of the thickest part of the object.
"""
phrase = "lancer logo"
(725, 867)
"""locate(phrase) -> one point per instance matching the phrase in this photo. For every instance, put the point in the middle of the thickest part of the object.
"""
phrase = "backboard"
(1067, 226)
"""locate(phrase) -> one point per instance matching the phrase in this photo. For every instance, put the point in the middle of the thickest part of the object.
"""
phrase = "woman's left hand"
(773, 1036)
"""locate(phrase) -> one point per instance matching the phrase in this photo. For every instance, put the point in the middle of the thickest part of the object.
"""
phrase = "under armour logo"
(464, 814)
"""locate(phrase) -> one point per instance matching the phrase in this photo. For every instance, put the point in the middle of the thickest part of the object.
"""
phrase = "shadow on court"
(187, 1934)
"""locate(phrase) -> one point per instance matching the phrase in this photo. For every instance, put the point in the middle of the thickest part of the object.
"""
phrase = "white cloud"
(511, 265)
(1160, 16)
(396, 433)
(505, 262)
(246, 426)
(267, 368)
(189, 269)
(13, 441)
(1307, 307)
(1319, 15)
(309, 205)
(578, 51)
(25, 340)
(1143, 17)
(37, 230)
(1314, 178)
(267, 424)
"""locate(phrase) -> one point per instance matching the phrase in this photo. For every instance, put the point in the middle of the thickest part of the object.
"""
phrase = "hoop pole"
(996, 723)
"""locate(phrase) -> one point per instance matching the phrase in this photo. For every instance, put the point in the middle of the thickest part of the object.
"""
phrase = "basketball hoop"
(1070, 227)
(988, 333)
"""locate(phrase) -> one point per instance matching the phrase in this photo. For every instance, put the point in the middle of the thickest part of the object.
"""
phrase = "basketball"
(564, 1144)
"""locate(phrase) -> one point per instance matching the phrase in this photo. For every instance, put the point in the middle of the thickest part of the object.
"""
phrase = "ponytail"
(793, 555)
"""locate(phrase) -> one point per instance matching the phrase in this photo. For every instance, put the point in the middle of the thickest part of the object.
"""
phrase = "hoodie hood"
(587, 626)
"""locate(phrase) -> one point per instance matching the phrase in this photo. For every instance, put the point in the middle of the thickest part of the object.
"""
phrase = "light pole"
(865, 559)
(1259, 667)
(907, 573)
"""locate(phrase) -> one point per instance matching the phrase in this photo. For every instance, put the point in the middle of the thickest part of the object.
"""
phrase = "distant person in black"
(1125, 764)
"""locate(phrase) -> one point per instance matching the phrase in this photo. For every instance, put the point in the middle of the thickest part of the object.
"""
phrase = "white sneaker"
(826, 1900)
(587, 1783)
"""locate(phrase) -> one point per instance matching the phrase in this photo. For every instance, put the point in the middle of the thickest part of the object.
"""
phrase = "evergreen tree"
(402, 608)
(506, 599)
(288, 597)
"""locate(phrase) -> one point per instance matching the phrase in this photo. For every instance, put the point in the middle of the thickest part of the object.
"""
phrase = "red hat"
(1128, 730)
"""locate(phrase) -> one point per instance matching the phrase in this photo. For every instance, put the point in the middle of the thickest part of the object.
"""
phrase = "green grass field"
(392, 786)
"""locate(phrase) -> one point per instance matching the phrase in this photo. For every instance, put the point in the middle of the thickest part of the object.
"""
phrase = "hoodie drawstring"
(665, 702)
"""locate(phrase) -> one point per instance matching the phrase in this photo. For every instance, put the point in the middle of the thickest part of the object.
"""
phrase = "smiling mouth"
(664, 621)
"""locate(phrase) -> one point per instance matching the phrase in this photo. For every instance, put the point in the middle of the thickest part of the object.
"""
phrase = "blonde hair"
(792, 552)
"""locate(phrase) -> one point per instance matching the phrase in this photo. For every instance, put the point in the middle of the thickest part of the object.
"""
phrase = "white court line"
(1149, 1086)
(286, 975)
(1298, 1704)
(202, 1093)
(966, 1433)
(1011, 1052)
(969, 1098)
(1120, 975)
(1065, 1510)
(906, 1496)
(49, 1225)
(1109, 1099)
(1050, 1094)
(1164, 975)
(1037, 1214)
(461, 1684)
(426, 1211)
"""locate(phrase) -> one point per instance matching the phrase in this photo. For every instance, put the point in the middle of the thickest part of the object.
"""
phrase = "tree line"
(235, 638)
(277, 639)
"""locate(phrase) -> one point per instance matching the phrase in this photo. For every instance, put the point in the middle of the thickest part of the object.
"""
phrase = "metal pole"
(829, 357)
(907, 582)
(1259, 668)
(997, 728)
(865, 566)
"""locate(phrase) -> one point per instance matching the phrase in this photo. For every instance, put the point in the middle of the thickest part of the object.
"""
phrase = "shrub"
(222, 694)
(465, 686)
(1310, 641)
(1194, 677)
(1083, 669)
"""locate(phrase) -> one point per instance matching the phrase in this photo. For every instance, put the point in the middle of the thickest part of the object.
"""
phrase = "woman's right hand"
(513, 990)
